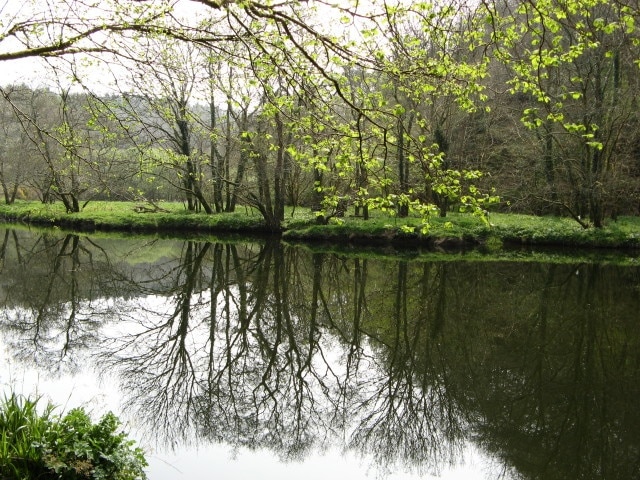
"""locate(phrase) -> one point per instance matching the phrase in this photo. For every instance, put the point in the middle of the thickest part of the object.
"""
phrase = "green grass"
(37, 443)
(21, 428)
(530, 230)
(453, 231)
(504, 229)
(122, 216)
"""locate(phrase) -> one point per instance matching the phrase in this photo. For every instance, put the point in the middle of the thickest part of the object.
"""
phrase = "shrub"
(45, 446)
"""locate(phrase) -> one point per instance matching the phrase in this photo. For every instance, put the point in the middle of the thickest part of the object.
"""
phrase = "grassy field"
(456, 230)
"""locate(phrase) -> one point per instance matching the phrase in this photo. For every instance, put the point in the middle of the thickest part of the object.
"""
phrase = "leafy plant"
(44, 445)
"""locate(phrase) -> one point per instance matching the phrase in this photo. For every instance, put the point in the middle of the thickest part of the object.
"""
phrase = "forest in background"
(410, 108)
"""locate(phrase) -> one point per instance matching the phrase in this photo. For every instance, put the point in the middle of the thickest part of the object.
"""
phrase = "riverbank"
(453, 232)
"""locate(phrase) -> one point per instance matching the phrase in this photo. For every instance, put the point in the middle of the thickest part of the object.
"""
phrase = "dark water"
(301, 359)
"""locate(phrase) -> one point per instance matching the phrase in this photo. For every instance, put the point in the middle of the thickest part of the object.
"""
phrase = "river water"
(234, 359)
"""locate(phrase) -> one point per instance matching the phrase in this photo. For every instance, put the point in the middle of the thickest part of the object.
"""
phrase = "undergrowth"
(38, 443)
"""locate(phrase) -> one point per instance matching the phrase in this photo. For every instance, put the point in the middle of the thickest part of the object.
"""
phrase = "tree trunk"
(245, 150)
(215, 159)
(403, 166)
(443, 144)
(281, 171)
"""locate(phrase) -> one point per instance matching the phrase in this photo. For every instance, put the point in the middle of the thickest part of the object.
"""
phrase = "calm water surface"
(245, 360)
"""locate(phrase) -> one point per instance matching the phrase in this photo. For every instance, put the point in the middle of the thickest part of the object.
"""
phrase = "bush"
(43, 445)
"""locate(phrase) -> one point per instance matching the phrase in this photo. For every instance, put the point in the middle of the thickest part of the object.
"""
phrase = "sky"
(33, 72)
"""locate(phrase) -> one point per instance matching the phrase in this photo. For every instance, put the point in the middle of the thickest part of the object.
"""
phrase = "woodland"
(410, 108)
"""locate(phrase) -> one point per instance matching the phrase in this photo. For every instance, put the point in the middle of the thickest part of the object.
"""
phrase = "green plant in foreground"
(44, 445)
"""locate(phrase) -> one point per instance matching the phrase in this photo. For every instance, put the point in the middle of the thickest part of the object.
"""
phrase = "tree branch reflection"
(268, 351)
(49, 310)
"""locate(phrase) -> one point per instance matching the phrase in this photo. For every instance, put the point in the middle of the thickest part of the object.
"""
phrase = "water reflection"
(266, 345)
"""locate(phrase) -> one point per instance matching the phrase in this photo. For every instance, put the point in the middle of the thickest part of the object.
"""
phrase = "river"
(232, 359)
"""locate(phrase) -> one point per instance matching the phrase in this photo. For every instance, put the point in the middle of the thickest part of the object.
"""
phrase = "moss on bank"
(455, 231)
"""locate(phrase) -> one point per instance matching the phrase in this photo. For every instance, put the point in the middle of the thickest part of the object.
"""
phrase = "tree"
(436, 82)
(297, 61)
(58, 28)
(16, 151)
(573, 62)
(165, 89)
(233, 104)
(71, 143)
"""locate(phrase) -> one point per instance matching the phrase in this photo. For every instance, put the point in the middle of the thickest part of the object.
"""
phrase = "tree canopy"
(409, 107)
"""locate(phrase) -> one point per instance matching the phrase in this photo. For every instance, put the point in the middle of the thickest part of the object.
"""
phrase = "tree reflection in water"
(265, 345)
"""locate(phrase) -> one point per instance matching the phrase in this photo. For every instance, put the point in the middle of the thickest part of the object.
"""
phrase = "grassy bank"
(455, 231)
